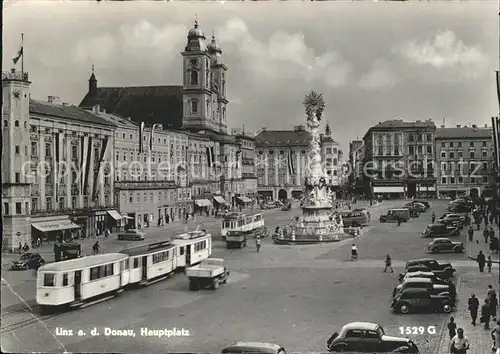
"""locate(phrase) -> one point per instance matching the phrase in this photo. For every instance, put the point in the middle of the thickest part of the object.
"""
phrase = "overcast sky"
(371, 61)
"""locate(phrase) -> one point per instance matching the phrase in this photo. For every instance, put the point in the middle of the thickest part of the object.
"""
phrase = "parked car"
(420, 274)
(453, 219)
(393, 214)
(426, 283)
(287, 207)
(443, 270)
(132, 235)
(415, 299)
(424, 202)
(254, 348)
(261, 232)
(366, 337)
(440, 230)
(419, 206)
(28, 261)
(445, 245)
(460, 208)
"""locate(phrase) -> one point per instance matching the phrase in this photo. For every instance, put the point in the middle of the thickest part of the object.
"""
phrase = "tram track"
(23, 323)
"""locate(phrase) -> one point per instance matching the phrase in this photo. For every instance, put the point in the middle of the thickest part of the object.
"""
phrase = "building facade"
(464, 157)
(399, 159)
(249, 178)
(281, 160)
(56, 167)
(355, 168)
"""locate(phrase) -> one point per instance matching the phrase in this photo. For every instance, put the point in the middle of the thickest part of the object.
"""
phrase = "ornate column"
(276, 167)
(298, 169)
(69, 165)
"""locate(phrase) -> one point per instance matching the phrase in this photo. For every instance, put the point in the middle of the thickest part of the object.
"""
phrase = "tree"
(314, 104)
(328, 131)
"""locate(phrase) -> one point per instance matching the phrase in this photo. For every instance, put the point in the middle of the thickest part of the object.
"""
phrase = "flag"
(494, 124)
(212, 154)
(291, 168)
(209, 157)
(88, 159)
(141, 138)
(498, 87)
(18, 55)
(152, 135)
(101, 159)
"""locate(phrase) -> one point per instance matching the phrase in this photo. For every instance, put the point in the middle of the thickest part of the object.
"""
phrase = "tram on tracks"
(192, 247)
(81, 281)
(242, 222)
(149, 263)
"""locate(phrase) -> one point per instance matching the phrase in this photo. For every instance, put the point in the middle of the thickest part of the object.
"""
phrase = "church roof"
(149, 104)
(282, 138)
(69, 112)
(463, 133)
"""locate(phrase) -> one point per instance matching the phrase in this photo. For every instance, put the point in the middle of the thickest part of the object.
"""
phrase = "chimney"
(96, 108)
(54, 99)
(459, 126)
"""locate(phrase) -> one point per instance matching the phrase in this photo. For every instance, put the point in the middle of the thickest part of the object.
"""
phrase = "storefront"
(220, 203)
(243, 201)
(116, 222)
(168, 213)
(48, 229)
(388, 190)
(93, 223)
(183, 208)
(202, 206)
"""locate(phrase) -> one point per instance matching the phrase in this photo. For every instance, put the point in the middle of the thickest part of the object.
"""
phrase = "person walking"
(473, 308)
(486, 234)
(493, 300)
(489, 263)
(399, 221)
(471, 233)
(486, 314)
(481, 260)
(354, 252)
(433, 217)
(452, 328)
(495, 335)
(95, 248)
(388, 264)
(459, 343)
(257, 243)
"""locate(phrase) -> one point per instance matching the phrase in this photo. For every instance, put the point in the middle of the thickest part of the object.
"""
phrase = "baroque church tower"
(204, 84)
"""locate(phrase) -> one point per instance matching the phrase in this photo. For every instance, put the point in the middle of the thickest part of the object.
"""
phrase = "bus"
(356, 217)
(242, 222)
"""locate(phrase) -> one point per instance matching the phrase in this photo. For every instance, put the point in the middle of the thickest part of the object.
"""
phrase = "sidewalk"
(479, 338)
(478, 244)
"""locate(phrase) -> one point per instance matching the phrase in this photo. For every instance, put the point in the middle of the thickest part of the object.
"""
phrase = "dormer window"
(194, 77)
(194, 106)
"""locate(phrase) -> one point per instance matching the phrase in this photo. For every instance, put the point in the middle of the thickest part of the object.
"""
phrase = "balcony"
(142, 185)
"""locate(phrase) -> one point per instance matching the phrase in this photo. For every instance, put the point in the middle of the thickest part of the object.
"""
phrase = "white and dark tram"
(80, 281)
(149, 263)
(192, 248)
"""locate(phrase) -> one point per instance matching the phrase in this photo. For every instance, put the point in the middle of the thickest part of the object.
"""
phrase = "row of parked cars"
(426, 286)
(405, 213)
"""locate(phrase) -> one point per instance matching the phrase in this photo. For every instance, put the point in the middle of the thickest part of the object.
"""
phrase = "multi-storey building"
(399, 159)
(56, 167)
(464, 159)
(355, 168)
(282, 160)
(248, 176)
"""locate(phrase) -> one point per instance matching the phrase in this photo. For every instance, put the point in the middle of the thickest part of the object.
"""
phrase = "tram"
(79, 281)
(242, 222)
(192, 247)
(149, 263)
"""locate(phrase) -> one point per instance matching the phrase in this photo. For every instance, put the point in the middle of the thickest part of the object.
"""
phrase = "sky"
(372, 61)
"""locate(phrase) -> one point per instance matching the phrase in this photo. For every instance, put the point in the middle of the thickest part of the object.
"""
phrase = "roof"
(259, 347)
(441, 239)
(117, 120)
(149, 248)
(83, 262)
(463, 133)
(149, 104)
(400, 124)
(282, 138)
(69, 112)
(360, 325)
(417, 280)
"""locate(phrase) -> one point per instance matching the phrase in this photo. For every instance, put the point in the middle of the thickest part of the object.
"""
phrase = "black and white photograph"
(264, 177)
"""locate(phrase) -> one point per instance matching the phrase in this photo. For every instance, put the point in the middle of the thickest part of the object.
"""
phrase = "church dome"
(196, 32)
(214, 46)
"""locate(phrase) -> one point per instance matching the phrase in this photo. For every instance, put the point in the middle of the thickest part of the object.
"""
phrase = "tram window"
(167, 255)
(126, 264)
(181, 251)
(136, 262)
(94, 273)
(108, 270)
(49, 279)
(65, 279)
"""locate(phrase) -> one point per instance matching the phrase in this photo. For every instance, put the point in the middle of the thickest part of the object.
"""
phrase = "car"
(424, 202)
(367, 337)
(28, 261)
(452, 218)
(420, 274)
(443, 270)
(393, 214)
(132, 235)
(254, 348)
(415, 299)
(460, 208)
(426, 283)
(440, 230)
(419, 206)
(445, 245)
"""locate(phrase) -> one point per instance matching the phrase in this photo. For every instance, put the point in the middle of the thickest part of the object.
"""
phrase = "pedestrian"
(471, 233)
(492, 298)
(473, 308)
(399, 221)
(459, 343)
(433, 218)
(486, 221)
(95, 248)
(495, 335)
(489, 263)
(486, 234)
(486, 314)
(257, 243)
(388, 264)
(481, 260)
(452, 328)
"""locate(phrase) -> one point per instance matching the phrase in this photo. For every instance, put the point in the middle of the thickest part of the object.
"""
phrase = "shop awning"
(115, 215)
(391, 189)
(127, 217)
(244, 199)
(203, 202)
(220, 200)
(56, 225)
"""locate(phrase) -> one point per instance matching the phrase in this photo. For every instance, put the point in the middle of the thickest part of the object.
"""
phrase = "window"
(6, 208)
(452, 155)
(380, 151)
(452, 180)
(443, 154)
(48, 203)
(471, 144)
(65, 279)
(194, 106)
(5, 123)
(19, 208)
(61, 203)
(443, 180)
(485, 179)
(94, 273)
(18, 149)
(419, 149)
(460, 180)
(484, 143)
(429, 149)
(49, 279)
(136, 262)
(194, 77)
(429, 137)
(34, 204)
(181, 251)
(18, 177)
(411, 150)
(73, 203)
(472, 154)
(74, 151)
(16, 123)
(459, 144)
(443, 144)
(396, 150)
(26, 207)
(485, 153)
(451, 144)
(34, 148)
(460, 154)
(48, 150)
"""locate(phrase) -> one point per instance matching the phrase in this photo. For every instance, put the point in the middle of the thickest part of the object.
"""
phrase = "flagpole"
(22, 54)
